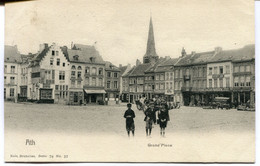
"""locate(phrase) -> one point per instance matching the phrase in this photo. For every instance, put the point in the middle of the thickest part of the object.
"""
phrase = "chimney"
(120, 65)
(218, 50)
(167, 57)
(138, 62)
(193, 53)
(183, 52)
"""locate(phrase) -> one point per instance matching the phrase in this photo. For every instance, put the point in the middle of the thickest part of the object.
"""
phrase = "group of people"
(155, 113)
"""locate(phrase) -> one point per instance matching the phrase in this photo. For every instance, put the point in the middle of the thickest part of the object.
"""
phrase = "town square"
(129, 81)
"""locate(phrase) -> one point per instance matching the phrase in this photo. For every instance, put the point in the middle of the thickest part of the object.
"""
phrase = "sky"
(120, 27)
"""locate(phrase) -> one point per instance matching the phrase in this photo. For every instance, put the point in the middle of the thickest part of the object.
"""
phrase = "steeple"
(150, 49)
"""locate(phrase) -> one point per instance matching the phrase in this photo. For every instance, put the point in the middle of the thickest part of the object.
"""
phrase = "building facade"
(12, 73)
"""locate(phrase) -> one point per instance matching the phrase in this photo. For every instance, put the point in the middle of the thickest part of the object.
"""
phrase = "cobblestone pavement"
(195, 134)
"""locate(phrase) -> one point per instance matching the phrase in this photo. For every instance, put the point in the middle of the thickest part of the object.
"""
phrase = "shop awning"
(97, 91)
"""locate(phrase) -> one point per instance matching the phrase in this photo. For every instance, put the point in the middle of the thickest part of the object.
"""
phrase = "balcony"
(244, 88)
(241, 73)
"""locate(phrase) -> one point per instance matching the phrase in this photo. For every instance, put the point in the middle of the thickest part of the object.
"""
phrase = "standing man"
(130, 115)
(149, 119)
(163, 116)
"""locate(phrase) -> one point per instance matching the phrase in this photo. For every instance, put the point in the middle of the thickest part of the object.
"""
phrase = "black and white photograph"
(139, 81)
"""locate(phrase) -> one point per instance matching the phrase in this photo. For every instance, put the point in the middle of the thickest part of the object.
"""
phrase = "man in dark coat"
(163, 116)
(129, 115)
(149, 119)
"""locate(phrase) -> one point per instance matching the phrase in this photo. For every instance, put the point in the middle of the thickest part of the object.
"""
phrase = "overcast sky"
(120, 28)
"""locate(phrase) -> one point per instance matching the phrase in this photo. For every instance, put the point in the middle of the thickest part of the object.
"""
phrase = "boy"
(149, 119)
(129, 115)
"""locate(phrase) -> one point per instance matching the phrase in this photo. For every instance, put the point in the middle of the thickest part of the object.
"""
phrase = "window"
(167, 85)
(167, 76)
(87, 70)
(227, 69)
(221, 70)
(248, 68)
(93, 81)
(236, 84)
(170, 85)
(58, 62)
(52, 52)
(115, 75)
(12, 69)
(63, 64)
(5, 69)
(180, 76)
(57, 53)
(228, 82)
(210, 70)
(221, 82)
(247, 80)
(73, 83)
(171, 76)
(187, 72)
(62, 75)
(94, 71)
(156, 86)
(236, 69)
(204, 72)
(108, 84)
(215, 70)
(76, 57)
(87, 81)
(11, 92)
(4, 79)
(73, 67)
(242, 68)
(100, 71)
(100, 82)
(242, 81)
(79, 83)
(79, 74)
(115, 84)
(215, 83)
(79, 68)
(73, 73)
(56, 87)
(12, 80)
(157, 77)
(108, 74)
(210, 83)
(162, 77)
(176, 73)
(51, 62)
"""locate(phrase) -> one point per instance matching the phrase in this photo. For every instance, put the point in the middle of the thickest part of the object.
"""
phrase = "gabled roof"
(84, 53)
(140, 69)
(122, 69)
(152, 68)
(129, 72)
(12, 54)
(242, 54)
(195, 58)
(110, 66)
(167, 65)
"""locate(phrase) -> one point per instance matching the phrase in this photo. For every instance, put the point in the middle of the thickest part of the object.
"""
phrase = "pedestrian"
(130, 115)
(149, 119)
(163, 115)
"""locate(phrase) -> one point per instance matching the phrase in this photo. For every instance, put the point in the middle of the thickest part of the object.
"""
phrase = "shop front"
(94, 96)
(76, 97)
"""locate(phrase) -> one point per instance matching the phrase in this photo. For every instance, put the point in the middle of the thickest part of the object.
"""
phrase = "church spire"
(150, 49)
(150, 54)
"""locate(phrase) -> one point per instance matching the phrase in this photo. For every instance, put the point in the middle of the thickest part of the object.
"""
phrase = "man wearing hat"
(129, 115)
(149, 119)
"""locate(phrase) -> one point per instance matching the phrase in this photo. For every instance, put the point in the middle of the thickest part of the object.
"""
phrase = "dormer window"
(76, 57)
(92, 59)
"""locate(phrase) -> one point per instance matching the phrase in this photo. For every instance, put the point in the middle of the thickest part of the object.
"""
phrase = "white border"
(257, 44)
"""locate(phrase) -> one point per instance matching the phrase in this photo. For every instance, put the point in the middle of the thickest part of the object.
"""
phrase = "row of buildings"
(58, 74)
(78, 75)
